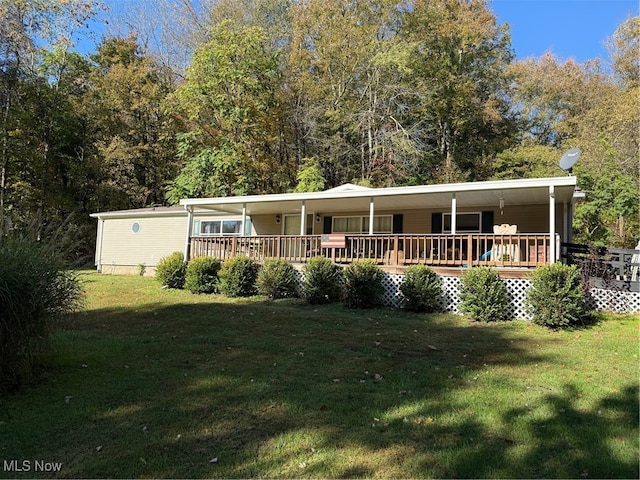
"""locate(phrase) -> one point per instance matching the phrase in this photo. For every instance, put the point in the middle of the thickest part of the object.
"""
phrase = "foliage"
(202, 275)
(526, 161)
(323, 281)
(557, 297)
(458, 72)
(35, 292)
(238, 277)
(133, 142)
(363, 287)
(171, 270)
(277, 279)
(483, 294)
(421, 289)
(564, 105)
(228, 101)
(310, 177)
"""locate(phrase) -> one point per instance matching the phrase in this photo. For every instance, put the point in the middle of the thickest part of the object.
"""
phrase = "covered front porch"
(453, 225)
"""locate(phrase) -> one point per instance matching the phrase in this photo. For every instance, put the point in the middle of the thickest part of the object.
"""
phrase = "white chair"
(505, 252)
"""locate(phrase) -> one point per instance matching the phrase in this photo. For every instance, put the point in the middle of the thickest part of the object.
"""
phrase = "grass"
(161, 383)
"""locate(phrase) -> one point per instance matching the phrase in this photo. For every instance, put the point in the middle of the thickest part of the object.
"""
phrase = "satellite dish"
(569, 159)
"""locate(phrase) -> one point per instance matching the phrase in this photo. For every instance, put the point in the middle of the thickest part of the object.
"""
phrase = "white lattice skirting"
(606, 300)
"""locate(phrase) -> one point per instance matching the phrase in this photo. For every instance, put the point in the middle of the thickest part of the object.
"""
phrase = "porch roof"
(352, 198)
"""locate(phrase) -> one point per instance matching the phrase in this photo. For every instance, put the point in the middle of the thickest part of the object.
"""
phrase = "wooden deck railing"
(521, 250)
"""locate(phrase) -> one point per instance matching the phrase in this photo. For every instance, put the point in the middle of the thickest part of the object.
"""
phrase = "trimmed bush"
(238, 277)
(421, 289)
(171, 270)
(484, 295)
(363, 286)
(202, 275)
(277, 279)
(35, 293)
(556, 298)
(322, 281)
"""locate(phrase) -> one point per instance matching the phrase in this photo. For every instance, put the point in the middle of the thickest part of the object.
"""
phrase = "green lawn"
(159, 383)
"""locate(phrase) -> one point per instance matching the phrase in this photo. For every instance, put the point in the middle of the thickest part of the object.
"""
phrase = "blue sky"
(568, 28)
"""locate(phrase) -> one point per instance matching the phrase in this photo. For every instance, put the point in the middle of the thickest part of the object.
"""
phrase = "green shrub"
(322, 281)
(483, 295)
(238, 277)
(421, 289)
(202, 275)
(556, 298)
(363, 286)
(35, 292)
(171, 270)
(277, 279)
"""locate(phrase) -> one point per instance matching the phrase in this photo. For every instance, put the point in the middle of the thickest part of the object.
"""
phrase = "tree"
(565, 105)
(131, 137)
(229, 103)
(459, 63)
(310, 176)
(346, 72)
(37, 124)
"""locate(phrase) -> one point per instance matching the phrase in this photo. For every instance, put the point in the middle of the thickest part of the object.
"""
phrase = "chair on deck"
(505, 251)
(390, 257)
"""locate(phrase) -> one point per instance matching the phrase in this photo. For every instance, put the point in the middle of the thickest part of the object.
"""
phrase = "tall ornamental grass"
(35, 292)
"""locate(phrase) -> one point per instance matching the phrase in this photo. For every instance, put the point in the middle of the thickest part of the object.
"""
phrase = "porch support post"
(371, 212)
(569, 207)
(303, 218)
(243, 227)
(565, 222)
(454, 213)
(187, 241)
(552, 224)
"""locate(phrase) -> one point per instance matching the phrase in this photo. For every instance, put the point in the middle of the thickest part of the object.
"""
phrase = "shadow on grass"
(281, 389)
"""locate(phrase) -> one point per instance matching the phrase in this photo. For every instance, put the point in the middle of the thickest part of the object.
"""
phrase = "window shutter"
(436, 223)
(397, 223)
(487, 221)
(196, 228)
(326, 227)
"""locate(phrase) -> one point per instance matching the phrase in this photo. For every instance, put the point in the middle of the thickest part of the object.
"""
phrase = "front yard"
(159, 383)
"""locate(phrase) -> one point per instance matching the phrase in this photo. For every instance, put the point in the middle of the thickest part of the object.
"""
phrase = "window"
(135, 227)
(231, 227)
(465, 223)
(360, 224)
(220, 227)
(210, 228)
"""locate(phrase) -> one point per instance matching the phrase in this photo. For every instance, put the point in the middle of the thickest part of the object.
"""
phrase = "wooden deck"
(508, 251)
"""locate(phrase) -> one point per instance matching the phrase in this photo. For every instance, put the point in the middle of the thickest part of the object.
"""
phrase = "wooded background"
(234, 97)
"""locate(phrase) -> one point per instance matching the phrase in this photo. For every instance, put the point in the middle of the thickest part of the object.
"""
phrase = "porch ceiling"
(480, 194)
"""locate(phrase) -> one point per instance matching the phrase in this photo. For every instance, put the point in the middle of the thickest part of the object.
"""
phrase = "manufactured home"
(510, 224)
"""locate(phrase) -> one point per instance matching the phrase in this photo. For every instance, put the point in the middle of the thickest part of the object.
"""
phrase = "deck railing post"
(469, 250)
